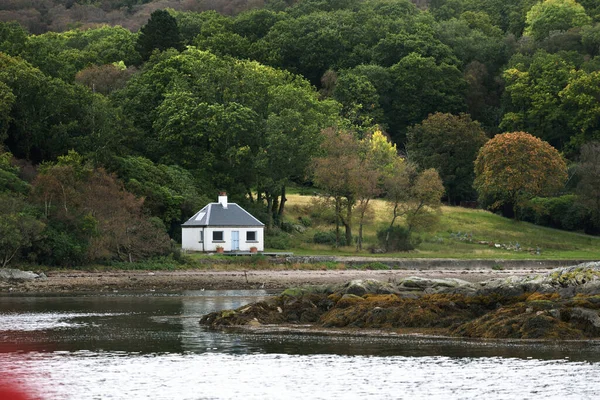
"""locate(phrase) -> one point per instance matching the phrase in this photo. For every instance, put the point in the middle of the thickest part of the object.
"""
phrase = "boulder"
(17, 275)
(430, 285)
(360, 287)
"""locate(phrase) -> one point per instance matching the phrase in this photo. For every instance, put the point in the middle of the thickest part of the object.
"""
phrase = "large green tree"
(554, 15)
(533, 86)
(423, 86)
(160, 33)
(48, 116)
(239, 125)
(449, 143)
(19, 229)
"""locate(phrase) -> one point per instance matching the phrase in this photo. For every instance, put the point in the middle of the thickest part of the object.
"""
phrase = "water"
(151, 347)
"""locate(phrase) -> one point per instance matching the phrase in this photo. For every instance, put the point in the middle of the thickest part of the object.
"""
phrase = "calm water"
(151, 347)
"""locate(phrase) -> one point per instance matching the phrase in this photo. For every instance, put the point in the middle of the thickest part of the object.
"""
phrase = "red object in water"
(13, 394)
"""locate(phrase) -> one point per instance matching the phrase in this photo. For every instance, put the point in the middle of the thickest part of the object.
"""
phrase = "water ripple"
(120, 375)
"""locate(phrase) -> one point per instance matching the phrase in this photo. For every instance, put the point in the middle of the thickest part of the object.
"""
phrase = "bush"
(563, 212)
(306, 221)
(321, 237)
(395, 238)
(276, 239)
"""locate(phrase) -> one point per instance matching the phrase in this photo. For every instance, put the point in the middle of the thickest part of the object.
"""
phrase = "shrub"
(395, 238)
(376, 265)
(276, 239)
(562, 212)
(306, 221)
(321, 237)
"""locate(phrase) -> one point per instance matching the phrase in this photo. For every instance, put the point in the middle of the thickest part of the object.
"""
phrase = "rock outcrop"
(15, 275)
(561, 304)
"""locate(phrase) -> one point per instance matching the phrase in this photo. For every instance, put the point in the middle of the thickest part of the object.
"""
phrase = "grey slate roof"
(214, 214)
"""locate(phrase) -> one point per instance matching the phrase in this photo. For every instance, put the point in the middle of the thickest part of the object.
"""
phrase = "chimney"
(223, 199)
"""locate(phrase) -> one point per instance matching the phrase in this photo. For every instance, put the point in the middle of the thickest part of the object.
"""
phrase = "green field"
(458, 235)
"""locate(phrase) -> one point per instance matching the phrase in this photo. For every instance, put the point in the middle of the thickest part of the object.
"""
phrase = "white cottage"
(225, 225)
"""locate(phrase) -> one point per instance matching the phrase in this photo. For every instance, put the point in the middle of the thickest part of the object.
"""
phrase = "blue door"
(235, 240)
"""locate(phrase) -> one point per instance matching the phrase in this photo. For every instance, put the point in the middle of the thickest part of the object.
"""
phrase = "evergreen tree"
(161, 32)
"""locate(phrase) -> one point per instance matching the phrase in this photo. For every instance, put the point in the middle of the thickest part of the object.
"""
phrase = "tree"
(240, 126)
(449, 144)
(512, 168)
(18, 229)
(92, 216)
(380, 156)
(414, 196)
(169, 191)
(160, 33)
(554, 15)
(49, 117)
(7, 99)
(359, 99)
(9, 179)
(338, 171)
(581, 96)
(533, 86)
(105, 78)
(588, 188)
(422, 86)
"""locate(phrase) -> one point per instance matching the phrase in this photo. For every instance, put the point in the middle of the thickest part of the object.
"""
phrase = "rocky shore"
(563, 303)
(64, 282)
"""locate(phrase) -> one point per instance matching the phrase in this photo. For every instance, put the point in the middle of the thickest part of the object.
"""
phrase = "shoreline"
(240, 279)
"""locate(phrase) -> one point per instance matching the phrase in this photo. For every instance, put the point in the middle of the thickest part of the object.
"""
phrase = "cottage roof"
(214, 214)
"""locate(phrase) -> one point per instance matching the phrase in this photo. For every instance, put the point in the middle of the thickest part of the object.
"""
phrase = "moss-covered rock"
(536, 307)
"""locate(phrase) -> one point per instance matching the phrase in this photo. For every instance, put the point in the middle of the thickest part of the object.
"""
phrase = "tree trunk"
(387, 235)
(338, 210)
(282, 203)
(269, 213)
(363, 209)
(360, 233)
(348, 222)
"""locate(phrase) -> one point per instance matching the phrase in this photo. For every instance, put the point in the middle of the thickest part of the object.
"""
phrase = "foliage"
(275, 239)
(563, 212)
(588, 187)
(160, 33)
(10, 182)
(329, 238)
(414, 195)
(514, 167)
(169, 192)
(395, 238)
(19, 229)
(104, 79)
(100, 217)
(339, 172)
(449, 144)
(554, 15)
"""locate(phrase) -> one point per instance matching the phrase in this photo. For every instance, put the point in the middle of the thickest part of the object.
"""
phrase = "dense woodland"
(121, 118)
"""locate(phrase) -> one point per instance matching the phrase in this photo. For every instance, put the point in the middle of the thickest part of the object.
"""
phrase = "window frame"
(215, 233)
(254, 240)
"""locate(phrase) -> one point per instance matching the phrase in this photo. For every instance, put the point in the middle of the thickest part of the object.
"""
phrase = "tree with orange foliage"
(512, 168)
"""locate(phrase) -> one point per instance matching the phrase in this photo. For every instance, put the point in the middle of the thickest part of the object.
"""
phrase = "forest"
(119, 119)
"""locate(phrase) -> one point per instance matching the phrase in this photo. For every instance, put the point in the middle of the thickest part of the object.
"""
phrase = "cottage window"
(217, 236)
(250, 236)
(201, 237)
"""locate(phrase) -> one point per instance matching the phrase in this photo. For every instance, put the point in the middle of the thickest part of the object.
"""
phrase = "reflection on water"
(151, 346)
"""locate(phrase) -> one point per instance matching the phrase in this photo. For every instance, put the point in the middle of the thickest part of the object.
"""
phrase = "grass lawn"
(458, 235)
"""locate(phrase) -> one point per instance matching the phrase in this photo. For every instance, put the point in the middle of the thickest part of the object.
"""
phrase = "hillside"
(461, 233)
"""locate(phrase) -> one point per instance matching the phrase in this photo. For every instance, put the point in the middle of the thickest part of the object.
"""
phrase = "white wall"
(190, 239)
